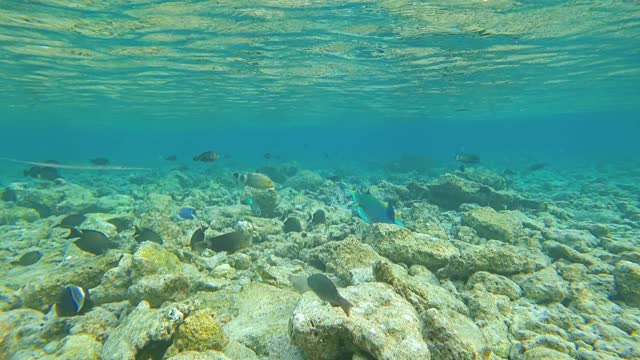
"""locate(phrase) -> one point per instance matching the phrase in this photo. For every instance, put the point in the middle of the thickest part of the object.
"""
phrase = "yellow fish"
(255, 180)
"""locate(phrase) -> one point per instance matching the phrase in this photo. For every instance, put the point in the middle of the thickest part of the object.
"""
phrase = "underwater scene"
(320, 179)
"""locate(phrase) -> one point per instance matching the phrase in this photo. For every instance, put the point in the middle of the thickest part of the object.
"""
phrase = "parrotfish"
(100, 161)
(255, 180)
(372, 210)
(327, 291)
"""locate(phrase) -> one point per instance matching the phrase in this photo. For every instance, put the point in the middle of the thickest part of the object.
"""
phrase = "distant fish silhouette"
(170, 158)
(537, 166)
(467, 158)
(207, 156)
(100, 161)
(42, 172)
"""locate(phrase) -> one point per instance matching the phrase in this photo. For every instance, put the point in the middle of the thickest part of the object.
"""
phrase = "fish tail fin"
(346, 306)
(391, 213)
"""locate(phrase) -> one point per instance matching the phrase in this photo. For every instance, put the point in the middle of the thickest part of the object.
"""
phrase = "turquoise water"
(532, 252)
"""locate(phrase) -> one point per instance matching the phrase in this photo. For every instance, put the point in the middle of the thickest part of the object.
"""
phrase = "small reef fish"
(229, 242)
(100, 161)
(187, 213)
(255, 180)
(71, 221)
(327, 291)
(536, 167)
(372, 210)
(94, 242)
(29, 258)
(170, 158)
(42, 172)
(255, 208)
(467, 158)
(142, 235)
(73, 300)
(207, 156)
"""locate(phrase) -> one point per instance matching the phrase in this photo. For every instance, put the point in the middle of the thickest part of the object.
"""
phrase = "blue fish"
(372, 210)
(187, 213)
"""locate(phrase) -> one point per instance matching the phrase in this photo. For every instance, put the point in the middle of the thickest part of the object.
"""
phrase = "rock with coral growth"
(143, 329)
(382, 324)
(627, 275)
(200, 331)
(403, 246)
(151, 258)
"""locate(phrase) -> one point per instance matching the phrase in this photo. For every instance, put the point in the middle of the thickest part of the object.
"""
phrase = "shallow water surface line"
(78, 167)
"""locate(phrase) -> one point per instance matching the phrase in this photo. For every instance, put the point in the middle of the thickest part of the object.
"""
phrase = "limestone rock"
(157, 289)
(544, 286)
(451, 335)
(141, 329)
(382, 324)
(491, 224)
(450, 191)
(495, 284)
(401, 245)
(421, 295)
(350, 259)
(495, 257)
(261, 323)
(78, 347)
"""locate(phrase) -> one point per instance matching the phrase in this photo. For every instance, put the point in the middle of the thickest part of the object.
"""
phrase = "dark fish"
(100, 161)
(197, 238)
(334, 178)
(187, 213)
(42, 172)
(29, 258)
(326, 290)
(467, 158)
(121, 224)
(461, 168)
(74, 233)
(71, 221)
(207, 156)
(73, 300)
(292, 224)
(9, 195)
(537, 166)
(94, 242)
(267, 156)
(318, 217)
(170, 158)
(230, 242)
(147, 235)
(508, 172)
